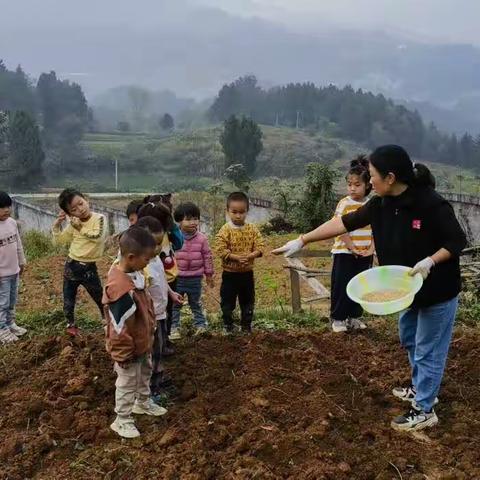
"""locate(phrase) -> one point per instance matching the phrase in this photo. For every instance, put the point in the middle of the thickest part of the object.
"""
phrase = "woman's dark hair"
(159, 211)
(133, 207)
(5, 200)
(151, 224)
(186, 210)
(164, 198)
(394, 159)
(359, 167)
(66, 197)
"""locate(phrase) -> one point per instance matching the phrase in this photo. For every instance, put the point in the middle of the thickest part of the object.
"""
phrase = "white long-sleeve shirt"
(157, 286)
(11, 248)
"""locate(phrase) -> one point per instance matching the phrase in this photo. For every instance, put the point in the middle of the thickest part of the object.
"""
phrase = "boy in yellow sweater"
(238, 244)
(86, 233)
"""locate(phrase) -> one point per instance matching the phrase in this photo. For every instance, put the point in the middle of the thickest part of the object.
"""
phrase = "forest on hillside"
(43, 126)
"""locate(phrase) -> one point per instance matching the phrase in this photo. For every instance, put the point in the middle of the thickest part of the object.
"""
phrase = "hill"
(194, 160)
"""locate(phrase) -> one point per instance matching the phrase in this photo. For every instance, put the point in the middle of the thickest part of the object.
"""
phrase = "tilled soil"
(268, 406)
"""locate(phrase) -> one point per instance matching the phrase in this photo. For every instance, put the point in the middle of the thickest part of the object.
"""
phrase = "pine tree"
(26, 155)
(241, 141)
(167, 123)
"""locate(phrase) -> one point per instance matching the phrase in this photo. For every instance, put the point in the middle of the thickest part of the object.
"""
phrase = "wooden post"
(295, 287)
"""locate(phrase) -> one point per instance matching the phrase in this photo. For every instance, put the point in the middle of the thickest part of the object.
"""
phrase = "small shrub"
(469, 309)
(38, 245)
(277, 224)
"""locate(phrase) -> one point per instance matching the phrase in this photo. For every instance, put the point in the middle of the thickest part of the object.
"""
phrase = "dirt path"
(269, 406)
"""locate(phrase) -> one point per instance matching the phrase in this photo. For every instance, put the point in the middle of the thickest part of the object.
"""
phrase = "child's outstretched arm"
(61, 237)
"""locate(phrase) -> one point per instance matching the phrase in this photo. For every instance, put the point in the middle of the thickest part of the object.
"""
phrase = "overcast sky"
(434, 20)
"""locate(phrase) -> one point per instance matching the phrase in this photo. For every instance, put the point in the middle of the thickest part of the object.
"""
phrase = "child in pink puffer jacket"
(194, 261)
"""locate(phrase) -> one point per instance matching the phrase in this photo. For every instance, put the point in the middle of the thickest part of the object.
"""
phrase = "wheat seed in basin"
(387, 295)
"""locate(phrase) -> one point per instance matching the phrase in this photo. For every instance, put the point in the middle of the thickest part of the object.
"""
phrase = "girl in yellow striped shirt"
(352, 252)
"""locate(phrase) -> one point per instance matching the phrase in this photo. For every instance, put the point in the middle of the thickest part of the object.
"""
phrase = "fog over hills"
(192, 49)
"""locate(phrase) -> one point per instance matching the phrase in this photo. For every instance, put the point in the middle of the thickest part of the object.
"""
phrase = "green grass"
(38, 245)
(53, 322)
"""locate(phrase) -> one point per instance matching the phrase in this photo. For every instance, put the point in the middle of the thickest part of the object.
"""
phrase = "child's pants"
(133, 383)
(8, 300)
(173, 286)
(159, 344)
(76, 274)
(345, 267)
(239, 285)
(192, 287)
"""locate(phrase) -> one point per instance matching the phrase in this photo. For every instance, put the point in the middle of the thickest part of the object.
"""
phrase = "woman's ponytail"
(423, 176)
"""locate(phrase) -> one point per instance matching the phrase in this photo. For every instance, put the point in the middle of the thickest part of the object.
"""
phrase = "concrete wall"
(467, 209)
(33, 217)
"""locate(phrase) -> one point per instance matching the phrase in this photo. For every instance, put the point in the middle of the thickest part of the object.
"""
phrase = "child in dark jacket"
(194, 261)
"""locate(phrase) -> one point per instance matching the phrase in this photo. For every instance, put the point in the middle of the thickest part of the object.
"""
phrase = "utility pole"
(116, 175)
(298, 119)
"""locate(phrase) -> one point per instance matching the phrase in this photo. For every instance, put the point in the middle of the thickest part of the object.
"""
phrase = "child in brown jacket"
(129, 332)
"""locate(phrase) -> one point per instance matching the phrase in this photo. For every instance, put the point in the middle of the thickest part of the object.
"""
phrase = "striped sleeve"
(97, 230)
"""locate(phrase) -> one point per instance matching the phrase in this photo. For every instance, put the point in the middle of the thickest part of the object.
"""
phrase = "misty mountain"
(194, 50)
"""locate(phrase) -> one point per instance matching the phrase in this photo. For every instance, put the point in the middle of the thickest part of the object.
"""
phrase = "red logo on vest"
(417, 224)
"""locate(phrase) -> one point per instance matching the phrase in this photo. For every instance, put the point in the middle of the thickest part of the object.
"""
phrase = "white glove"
(291, 247)
(423, 268)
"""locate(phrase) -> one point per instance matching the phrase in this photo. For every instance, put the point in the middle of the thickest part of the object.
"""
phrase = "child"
(86, 233)
(194, 261)
(160, 292)
(159, 206)
(129, 331)
(238, 244)
(12, 263)
(131, 212)
(352, 252)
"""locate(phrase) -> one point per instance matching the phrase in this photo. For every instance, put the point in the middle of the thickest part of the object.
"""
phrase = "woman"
(414, 226)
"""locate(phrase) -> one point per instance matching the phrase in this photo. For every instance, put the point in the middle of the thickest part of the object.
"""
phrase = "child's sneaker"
(229, 329)
(339, 326)
(407, 394)
(415, 419)
(200, 330)
(125, 428)
(72, 330)
(6, 336)
(148, 408)
(175, 334)
(356, 324)
(17, 330)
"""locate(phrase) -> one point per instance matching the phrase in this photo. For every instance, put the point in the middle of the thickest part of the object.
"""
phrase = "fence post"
(295, 287)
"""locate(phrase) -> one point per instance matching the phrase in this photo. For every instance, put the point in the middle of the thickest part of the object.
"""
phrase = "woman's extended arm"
(329, 229)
